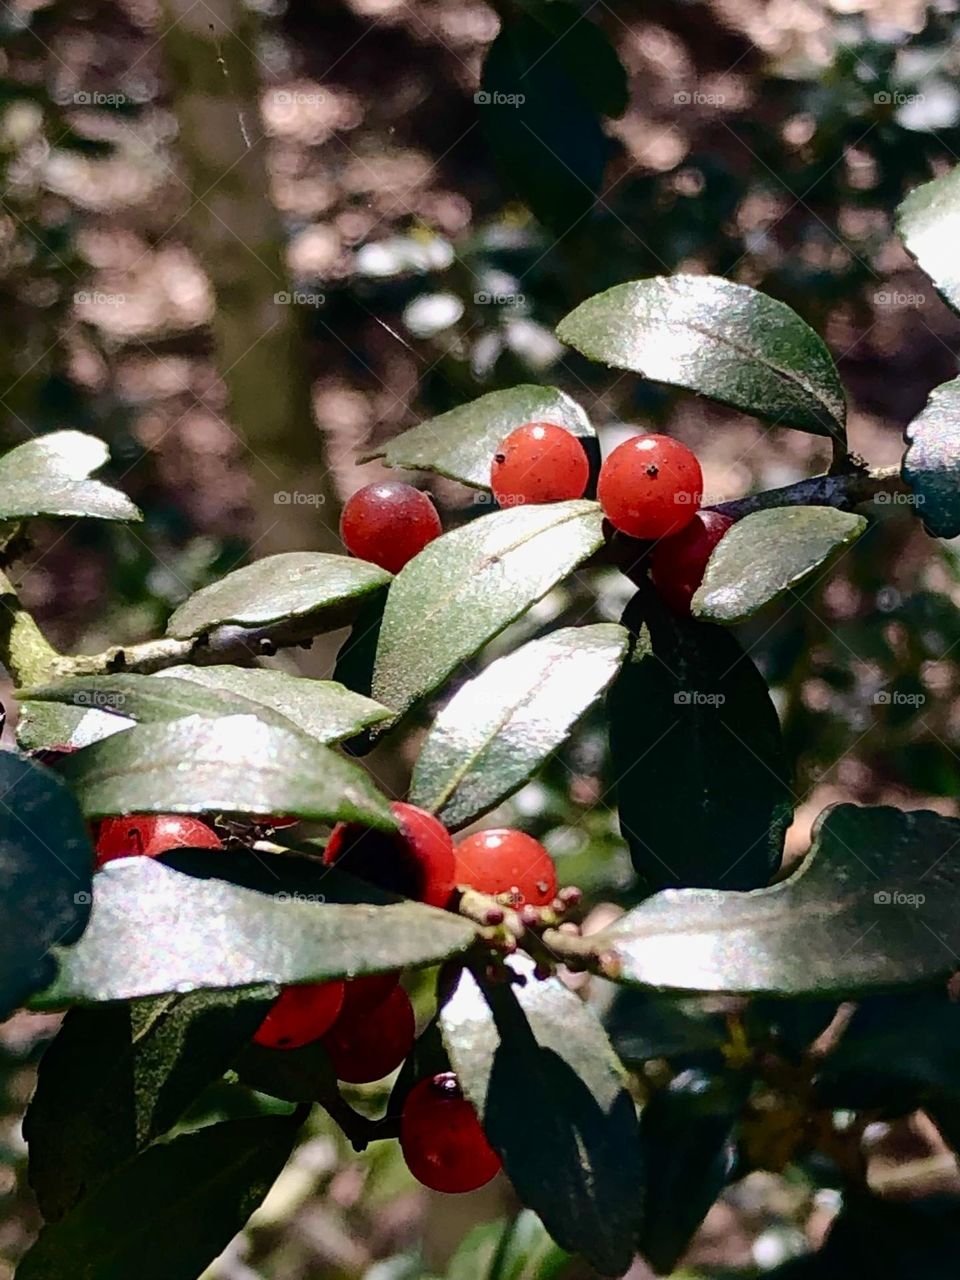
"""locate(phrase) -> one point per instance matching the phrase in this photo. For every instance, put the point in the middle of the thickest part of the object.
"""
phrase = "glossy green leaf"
(236, 764)
(702, 777)
(538, 1068)
(931, 464)
(586, 54)
(460, 444)
(46, 862)
(928, 222)
(501, 726)
(544, 133)
(850, 920)
(466, 586)
(45, 725)
(168, 1213)
(720, 339)
(296, 584)
(51, 475)
(119, 1075)
(769, 553)
(155, 930)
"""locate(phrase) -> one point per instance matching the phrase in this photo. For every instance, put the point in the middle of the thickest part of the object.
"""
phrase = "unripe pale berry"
(416, 861)
(300, 1015)
(677, 564)
(539, 462)
(367, 1045)
(650, 486)
(388, 523)
(442, 1141)
(148, 835)
(502, 861)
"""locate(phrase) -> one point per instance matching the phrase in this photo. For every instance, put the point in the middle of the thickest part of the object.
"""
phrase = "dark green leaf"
(928, 222)
(501, 726)
(931, 464)
(51, 476)
(156, 930)
(466, 586)
(586, 54)
(717, 338)
(645, 1024)
(697, 752)
(545, 135)
(461, 444)
(295, 1075)
(321, 708)
(849, 921)
(117, 1076)
(296, 584)
(167, 1214)
(769, 553)
(686, 1135)
(46, 864)
(549, 1091)
(236, 764)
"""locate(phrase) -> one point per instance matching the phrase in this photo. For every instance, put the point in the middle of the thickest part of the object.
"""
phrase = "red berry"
(416, 862)
(677, 564)
(650, 486)
(388, 523)
(503, 861)
(539, 462)
(366, 1046)
(150, 835)
(441, 1138)
(301, 1015)
(363, 994)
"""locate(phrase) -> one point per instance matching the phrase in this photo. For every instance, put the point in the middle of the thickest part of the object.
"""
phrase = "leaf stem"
(845, 491)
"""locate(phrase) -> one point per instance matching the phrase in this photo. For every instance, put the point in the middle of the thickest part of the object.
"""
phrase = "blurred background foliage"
(173, 173)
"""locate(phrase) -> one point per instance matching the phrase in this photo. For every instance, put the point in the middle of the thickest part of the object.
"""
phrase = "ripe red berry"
(417, 861)
(366, 993)
(388, 523)
(301, 1015)
(442, 1141)
(677, 564)
(366, 1046)
(650, 486)
(539, 462)
(503, 861)
(150, 835)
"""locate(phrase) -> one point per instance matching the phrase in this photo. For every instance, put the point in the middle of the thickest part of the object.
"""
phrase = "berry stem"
(846, 490)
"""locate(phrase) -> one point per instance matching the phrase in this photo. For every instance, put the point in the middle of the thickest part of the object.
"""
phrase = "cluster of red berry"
(650, 488)
(366, 1024)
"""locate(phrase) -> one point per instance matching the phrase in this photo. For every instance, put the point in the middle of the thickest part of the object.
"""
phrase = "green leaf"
(931, 464)
(516, 1250)
(327, 589)
(236, 764)
(702, 777)
(645, 1024)
(848, 921)
(586, 54)
(460, 444)
(46, 865)
(51, 476)
(769, 553)
(538, 1068)
(167, 1214)
(720, 339)
(117, 1076)
(501, 726)
(686, 1135)
(155, 930)
(928, 222)
(467, 585)
(43, 725)
(543, 131)
(320, 708)
(294, 1075)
